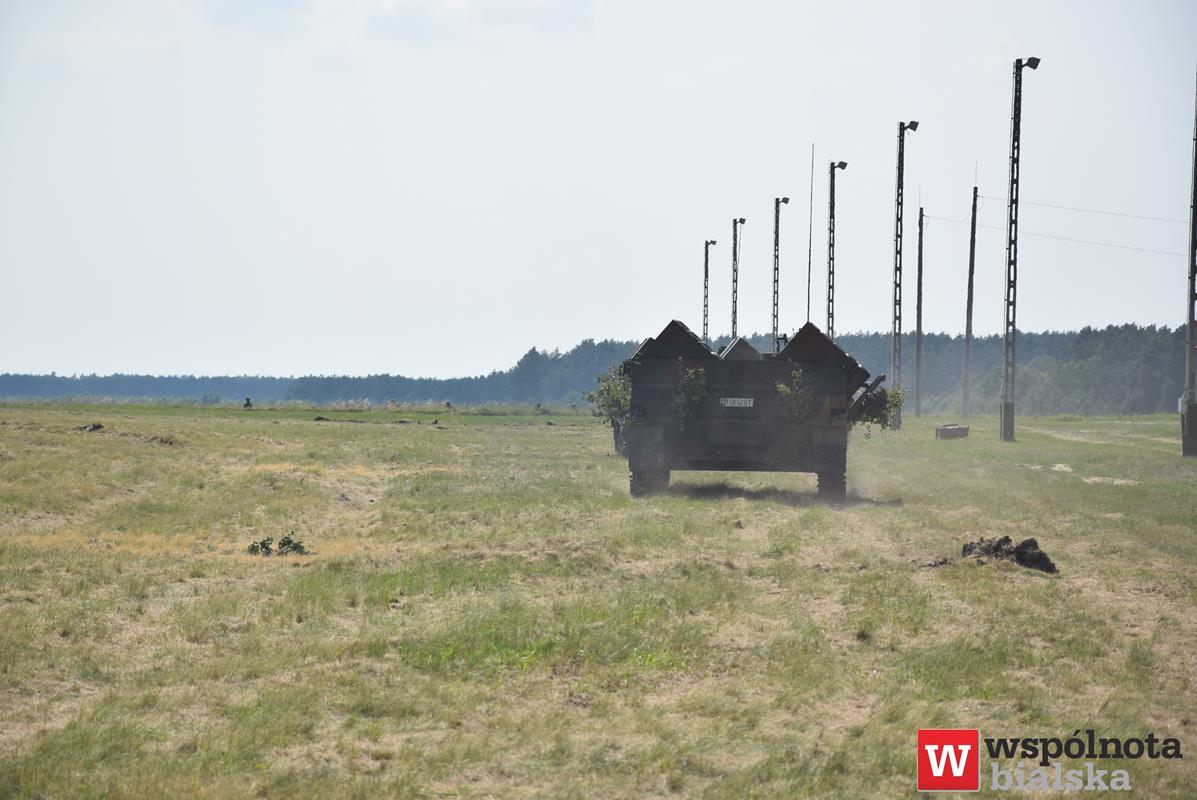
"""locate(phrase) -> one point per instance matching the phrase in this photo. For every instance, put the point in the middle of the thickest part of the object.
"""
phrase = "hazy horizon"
(431, 187)
(840, 337)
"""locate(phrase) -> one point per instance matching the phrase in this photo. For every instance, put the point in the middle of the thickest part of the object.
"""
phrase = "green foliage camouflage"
(879, 407)
(797, 400)
(287, 546)
(691, 393)
(612, 397)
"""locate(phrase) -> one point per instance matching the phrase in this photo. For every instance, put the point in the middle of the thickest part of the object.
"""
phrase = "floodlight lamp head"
(841, 165)
(1032, 62)
(741, 221)
(785, 200)
(710, 242)
(913, 125)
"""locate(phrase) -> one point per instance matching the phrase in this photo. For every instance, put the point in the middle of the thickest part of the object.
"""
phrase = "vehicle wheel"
(832, 485)
(644, 480)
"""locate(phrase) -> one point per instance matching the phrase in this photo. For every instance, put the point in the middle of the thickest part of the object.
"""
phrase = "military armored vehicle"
(739, 409)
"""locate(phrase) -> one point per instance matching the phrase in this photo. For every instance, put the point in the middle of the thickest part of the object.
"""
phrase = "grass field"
(488, 614)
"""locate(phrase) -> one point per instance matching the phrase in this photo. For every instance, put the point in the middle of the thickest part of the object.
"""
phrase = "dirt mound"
(1026, 553)
(92, 428)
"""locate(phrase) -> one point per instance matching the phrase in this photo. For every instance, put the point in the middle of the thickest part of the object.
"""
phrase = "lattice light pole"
(918, 327)
(810, 227)
(967, 405)
(1009, 314)
(777, 204)
(736, 223)
(831, 168)
(899, 199)
(706, 285)
(1188, 422)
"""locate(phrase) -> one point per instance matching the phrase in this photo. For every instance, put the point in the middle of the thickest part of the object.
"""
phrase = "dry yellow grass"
(487, 614)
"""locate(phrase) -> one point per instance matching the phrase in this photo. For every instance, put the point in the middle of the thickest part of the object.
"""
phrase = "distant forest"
(1121, 369)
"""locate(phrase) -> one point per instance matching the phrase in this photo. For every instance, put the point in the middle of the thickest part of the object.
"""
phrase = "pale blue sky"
(430, 187)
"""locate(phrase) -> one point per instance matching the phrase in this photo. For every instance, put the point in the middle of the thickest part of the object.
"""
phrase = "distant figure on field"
(247, 403)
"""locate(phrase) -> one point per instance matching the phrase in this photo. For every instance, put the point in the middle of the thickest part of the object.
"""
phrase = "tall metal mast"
(810, 227)
(1188, 422)
(777, 203)
(899, 199)
(918, 327)
(968, 310)
(1009, 314)
(736, 223)
(706, 285)
(831, 168)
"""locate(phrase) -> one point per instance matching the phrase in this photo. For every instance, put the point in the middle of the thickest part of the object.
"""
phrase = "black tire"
(644, 481)
(832, 485)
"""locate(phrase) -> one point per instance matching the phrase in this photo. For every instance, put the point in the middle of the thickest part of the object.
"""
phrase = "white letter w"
(949, 752)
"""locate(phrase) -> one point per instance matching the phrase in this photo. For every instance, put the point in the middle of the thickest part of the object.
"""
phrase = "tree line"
(1119, 369)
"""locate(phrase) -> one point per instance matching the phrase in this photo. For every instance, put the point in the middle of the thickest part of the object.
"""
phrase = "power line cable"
(1067, 238)
(1093, 211)
(956, 222)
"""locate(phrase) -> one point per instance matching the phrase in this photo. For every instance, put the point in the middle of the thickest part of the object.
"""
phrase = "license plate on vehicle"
(735, 402)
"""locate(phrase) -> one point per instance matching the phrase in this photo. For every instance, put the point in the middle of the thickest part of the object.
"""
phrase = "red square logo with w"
(949, 760)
